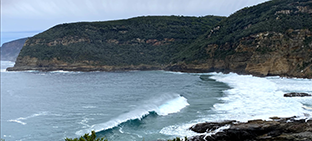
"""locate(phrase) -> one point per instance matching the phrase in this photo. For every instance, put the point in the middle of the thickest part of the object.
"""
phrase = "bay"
(137, 105)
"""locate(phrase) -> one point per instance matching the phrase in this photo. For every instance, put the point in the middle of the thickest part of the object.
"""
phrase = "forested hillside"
(272, 38)
(273, 16)
(142, 40)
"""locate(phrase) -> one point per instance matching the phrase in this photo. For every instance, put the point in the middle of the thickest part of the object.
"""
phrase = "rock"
(282, 129)
(209, 126)
(296, 94)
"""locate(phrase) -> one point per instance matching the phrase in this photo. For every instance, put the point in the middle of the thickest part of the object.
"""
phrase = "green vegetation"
(307, 41)
(142, 40)
(178, 139)
(274, 16)
(87, 137)
(92, 137)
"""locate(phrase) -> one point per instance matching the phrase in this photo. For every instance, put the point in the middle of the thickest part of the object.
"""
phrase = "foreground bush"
(87, 137)
(92, 137)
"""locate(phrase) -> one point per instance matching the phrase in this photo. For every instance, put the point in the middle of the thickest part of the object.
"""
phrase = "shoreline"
(281, 129)
(142, 67)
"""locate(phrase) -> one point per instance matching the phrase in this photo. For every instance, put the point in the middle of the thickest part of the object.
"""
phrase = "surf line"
(174, 105)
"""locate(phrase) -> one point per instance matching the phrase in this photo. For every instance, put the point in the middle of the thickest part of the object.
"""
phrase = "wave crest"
(162, 106)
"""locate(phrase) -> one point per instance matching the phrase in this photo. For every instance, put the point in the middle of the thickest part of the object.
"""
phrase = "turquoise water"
(137, 105)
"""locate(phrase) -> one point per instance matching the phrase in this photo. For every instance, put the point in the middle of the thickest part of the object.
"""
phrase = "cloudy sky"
(22, 18)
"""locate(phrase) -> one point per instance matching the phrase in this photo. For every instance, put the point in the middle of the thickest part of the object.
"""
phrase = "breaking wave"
(162, 105)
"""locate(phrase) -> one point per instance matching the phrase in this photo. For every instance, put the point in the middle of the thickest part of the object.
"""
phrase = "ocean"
(138, 105)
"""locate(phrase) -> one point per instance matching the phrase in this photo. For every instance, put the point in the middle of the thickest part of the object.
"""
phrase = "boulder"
(293, 94)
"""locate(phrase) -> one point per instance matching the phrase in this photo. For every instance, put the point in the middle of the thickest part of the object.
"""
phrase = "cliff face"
(263, 54)
(10, 50)
(280, 54)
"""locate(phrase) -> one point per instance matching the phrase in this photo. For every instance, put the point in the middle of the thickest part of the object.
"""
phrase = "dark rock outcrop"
(279, 129)
(209, 126)
(296, 95)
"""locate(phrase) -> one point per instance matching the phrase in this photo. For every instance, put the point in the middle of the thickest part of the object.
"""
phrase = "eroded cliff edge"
(264, 54)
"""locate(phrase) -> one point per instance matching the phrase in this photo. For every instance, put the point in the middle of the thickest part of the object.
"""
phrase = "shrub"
(87, 137)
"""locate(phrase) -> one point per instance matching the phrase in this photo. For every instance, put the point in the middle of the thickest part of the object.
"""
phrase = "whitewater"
(161, 105)
(138, 105)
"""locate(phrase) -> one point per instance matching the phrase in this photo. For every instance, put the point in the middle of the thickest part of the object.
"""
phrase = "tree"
(87, 137)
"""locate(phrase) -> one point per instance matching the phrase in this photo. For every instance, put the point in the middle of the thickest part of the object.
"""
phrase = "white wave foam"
(253, 97)
(62, 71)
(85, 121)
(163, 105)
(18, 121)
(3, 70)
(307, 108)
(89, 107)
(172, 106)
(31, 71)
(5, 65)
(220, 129)
(22, 119)
(175, 72)
(179, 130)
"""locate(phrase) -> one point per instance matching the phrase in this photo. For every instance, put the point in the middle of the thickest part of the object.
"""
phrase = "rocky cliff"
(263, 54)
(273, 38)
(10, 50)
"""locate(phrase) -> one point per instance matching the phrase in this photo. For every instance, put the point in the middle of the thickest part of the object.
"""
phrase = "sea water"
(138, 105)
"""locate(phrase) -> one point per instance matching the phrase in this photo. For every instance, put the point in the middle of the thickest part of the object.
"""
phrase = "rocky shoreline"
(83, 68)
(276, 129)
(34, 64)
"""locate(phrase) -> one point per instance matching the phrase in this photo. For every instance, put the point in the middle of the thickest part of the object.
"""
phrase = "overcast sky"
(33, 16)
